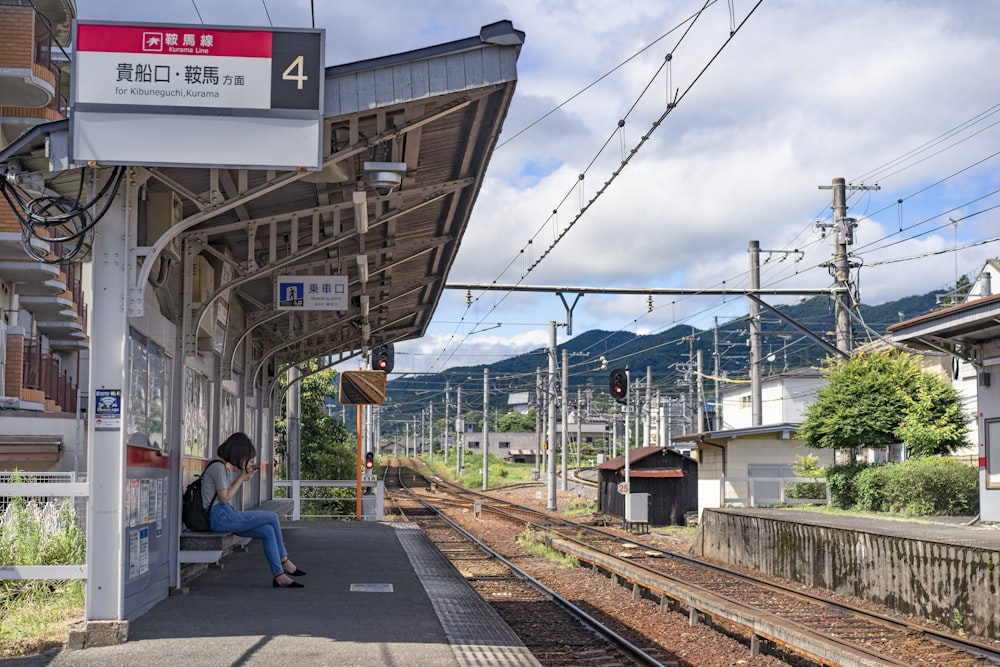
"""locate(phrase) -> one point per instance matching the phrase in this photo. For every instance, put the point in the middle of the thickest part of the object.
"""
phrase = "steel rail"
(621, 643)
(973, 648)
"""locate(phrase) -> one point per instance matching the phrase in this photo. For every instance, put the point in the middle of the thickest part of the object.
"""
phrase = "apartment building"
(43, 312)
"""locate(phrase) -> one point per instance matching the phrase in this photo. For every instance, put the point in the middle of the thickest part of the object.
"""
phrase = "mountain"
(670, 354)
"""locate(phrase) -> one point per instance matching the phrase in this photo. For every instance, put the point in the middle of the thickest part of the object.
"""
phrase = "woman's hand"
(251, 469)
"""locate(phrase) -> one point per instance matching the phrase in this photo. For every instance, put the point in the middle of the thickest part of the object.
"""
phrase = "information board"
(197, 95)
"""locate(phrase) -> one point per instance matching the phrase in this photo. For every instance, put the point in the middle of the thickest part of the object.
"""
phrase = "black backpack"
(195, 516)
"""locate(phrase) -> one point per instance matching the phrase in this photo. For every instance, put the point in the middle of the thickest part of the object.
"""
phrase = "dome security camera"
(384, 177)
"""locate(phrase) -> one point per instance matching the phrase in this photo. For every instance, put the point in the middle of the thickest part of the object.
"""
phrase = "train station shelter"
(232, 238)
(969, 332)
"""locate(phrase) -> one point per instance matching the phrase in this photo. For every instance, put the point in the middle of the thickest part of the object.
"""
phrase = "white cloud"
(804, 93)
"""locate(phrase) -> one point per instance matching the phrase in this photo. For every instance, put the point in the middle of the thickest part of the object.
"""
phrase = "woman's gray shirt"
(215, 477)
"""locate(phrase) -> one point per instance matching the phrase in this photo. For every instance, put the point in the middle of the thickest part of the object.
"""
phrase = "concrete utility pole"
(486, 428)
(755, 384)
(841, 268)
(647, 437)
(701, 392)
(579, 427)
(539, 435)
(447, 393)
(717, 378)
(430, 432)
(843, 235)
(565, 420)
(552, 505)
(459, 423)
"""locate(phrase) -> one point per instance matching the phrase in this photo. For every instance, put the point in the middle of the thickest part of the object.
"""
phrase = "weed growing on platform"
(37, 614)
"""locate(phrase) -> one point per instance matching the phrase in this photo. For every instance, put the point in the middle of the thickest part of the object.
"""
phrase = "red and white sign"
(193, 95)
(623, 488)
(189, 66)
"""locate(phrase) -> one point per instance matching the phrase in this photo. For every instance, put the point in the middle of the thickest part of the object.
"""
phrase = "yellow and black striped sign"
(362, 388)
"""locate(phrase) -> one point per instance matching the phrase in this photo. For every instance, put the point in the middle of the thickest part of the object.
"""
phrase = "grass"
(530, 543)
(40, 616)
(37, 615)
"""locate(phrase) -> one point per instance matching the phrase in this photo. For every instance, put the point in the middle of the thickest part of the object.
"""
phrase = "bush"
(843, 485)
(933, 485)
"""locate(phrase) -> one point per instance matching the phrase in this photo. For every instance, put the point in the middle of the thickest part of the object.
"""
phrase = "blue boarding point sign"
(291, 294)
(312, 293)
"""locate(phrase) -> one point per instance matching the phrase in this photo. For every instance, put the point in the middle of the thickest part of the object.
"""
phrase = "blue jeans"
(262, 524)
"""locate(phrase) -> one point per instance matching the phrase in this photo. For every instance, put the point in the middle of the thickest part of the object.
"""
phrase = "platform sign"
(312, 293)
(362, 388)
(186, 93)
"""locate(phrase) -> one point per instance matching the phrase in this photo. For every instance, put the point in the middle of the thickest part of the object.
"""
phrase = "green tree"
(881, 398)
(515, 421)
(328, 450)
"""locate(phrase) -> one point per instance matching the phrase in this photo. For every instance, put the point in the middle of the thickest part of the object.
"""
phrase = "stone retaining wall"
(956, 586)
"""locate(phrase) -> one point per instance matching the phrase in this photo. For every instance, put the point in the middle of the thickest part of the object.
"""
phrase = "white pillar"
(107, 548)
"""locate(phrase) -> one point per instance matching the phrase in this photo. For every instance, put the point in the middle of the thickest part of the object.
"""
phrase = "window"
(504, 445)
(744, 401)
(197, 396)
(993, 453)
(148, 395)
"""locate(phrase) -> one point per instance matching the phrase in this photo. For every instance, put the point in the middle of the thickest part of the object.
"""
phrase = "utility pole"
(843, 235)
(486, 428)
(539, 437)
(755, 380)
(552, 505)
(579, 427)
(447, 392)
(430, 433)
(565, 419)
(717, 378)
(647, 437)
(701, 392)
(459, 426)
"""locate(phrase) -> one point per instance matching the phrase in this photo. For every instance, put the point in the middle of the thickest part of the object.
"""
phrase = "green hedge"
(933, 485)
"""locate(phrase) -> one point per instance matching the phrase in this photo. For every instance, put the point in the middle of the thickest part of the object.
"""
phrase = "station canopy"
(429, 119)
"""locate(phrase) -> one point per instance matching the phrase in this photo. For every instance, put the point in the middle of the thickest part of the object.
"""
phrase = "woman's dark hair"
(237, 450)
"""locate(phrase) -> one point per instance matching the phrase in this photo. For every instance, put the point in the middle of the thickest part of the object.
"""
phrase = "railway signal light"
(384, 358)
(369, 460)
(618, 385)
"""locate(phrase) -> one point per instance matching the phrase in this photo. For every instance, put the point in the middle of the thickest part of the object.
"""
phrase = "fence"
(754, 491)
(373, 505)
(42, 487)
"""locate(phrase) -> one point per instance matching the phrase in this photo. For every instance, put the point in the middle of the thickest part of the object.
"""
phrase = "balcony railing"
(42, 372)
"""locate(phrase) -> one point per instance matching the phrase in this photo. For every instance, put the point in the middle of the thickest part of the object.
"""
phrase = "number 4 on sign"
(295, 72)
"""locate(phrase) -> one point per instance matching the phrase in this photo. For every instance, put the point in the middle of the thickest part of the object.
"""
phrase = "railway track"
(768, 614)
(556, 631)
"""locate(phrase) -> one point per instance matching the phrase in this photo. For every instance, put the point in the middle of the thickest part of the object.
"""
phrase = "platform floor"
(375, 594)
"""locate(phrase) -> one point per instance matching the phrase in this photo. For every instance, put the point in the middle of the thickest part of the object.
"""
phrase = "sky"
(772, 102)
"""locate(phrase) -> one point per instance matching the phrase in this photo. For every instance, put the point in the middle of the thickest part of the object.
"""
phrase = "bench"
(208, 548)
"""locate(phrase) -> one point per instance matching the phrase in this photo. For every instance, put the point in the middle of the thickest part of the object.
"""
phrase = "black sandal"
(275, 584)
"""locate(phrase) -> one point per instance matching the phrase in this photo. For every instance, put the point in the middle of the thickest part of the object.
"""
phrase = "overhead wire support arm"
(569, 311)
(644, 291)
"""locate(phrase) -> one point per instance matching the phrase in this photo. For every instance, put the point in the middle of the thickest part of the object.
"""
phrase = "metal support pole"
(565, 419)
(552, 504)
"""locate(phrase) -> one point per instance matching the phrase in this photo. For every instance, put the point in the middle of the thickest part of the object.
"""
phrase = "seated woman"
(237, 451)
